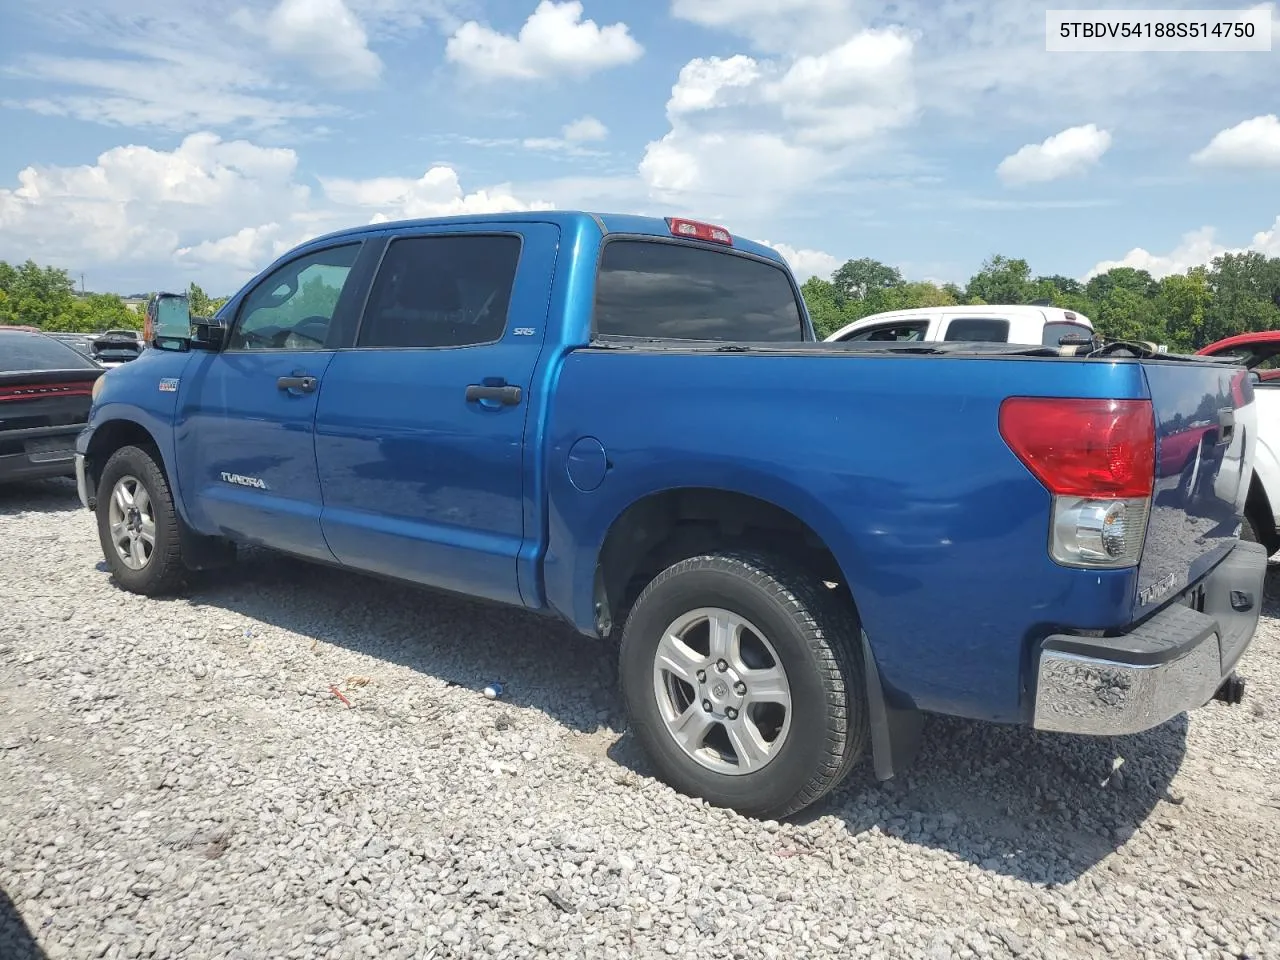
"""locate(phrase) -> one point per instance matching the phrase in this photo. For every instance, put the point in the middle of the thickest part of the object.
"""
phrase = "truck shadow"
(1004, 798)
(16, 940)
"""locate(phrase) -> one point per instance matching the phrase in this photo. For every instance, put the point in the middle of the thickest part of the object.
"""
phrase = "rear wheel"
(1255, 530)
(742, 684)
(137, 524)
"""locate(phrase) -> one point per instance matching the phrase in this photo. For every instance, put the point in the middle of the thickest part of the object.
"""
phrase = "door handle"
(1226, 425)
(305, 384)
(506, 394)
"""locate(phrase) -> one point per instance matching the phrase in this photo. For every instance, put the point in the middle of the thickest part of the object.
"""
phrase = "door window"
(293, 307)
(904, 331)
(446, 291)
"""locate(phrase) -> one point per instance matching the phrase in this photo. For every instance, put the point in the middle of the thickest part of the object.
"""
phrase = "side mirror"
(210, 334)
(1255, 376)
(168, 324)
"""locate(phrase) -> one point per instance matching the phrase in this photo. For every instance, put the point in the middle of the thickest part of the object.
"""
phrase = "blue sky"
(152, 142)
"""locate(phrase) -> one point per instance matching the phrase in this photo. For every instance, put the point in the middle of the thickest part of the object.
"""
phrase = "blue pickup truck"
(798, 548)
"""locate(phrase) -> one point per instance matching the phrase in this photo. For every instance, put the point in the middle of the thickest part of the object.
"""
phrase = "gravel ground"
(294, 762)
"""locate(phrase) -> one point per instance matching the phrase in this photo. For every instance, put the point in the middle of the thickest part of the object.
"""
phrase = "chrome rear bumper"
(1172, 662)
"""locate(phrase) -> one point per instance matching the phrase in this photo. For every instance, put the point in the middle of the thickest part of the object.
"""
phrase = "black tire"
(1255, 530)
(815, 638)
(163, 571)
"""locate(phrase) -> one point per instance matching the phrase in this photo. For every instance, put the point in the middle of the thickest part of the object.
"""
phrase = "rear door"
(246, 453)
(420, 428)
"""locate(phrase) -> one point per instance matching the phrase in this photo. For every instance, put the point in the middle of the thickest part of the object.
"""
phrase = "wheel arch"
(122, 430)
(666, 526)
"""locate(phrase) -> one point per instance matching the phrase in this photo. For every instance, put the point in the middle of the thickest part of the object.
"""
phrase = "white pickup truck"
(987, 323)
(1259, 352)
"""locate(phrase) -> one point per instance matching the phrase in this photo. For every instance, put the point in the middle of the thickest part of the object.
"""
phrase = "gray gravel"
(294, 762)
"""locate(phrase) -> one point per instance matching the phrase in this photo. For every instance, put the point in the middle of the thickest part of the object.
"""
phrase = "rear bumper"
(1172, 662)
(40, 452)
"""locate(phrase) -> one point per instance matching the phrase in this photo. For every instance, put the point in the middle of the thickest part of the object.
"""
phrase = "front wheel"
(137, 524)
(742, 683)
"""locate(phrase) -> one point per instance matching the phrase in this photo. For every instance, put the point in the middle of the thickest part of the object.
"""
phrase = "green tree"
(1001, 280)
(1138, 282)
(858, 279)
(1181, 304)
(1127, 315)
(825, 305)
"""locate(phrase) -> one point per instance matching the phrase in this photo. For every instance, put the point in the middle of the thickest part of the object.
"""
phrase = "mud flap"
(895, 731)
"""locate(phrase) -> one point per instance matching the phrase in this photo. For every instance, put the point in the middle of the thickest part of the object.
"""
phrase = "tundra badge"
(235, 478)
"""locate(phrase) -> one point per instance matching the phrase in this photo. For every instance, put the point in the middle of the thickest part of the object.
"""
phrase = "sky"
(151, 143)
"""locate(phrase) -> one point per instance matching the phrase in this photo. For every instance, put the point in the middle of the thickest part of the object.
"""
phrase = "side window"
(291, 309)
(446, 291)
(901, 332)
(978, 330)
(1268, 369)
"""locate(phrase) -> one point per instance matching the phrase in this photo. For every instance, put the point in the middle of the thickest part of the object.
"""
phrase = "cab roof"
(606, 223)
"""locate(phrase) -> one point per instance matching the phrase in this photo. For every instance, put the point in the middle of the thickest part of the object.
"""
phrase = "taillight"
(44, 391)
(1098, 459)
(695, 230)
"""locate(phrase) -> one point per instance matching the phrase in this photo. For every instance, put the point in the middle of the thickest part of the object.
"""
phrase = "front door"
(420, 429)
(245, 427)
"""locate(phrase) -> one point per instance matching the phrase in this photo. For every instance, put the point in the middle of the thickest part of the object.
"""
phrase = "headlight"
(97, 388)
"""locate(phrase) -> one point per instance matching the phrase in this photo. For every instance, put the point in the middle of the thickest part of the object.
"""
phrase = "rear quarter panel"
(896, 462)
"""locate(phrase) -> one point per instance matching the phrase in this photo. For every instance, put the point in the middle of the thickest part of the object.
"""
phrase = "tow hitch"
(1231, 691)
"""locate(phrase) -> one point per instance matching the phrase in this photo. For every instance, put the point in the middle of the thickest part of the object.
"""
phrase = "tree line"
(1234, 293)
(46, 298)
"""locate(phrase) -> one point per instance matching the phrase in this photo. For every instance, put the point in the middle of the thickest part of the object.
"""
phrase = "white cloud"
(324, 35)
(852, 91)
(1197, 247)
(219, 209)
(555, 40)
(437, 193)
(750, 133)
(573, 135)
(1065, 154)
(585, 128)
(772, 25)
(1253, 143)
(807, 263)
(703, 83)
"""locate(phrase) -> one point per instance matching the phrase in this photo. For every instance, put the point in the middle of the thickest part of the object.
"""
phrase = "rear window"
(24, 352)
(978, 330)
(1054, 332)
(678, 292)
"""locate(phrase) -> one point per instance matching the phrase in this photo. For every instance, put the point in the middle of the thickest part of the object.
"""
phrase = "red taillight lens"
(1083, 448)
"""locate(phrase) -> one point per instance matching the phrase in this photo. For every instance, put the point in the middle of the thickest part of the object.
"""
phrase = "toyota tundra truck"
(797, 548)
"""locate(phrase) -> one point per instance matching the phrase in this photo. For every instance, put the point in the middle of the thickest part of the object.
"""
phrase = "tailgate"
(1205, 420)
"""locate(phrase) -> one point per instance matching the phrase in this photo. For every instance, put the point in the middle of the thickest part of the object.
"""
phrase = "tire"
(1249, 530)
(806, 633)
(148, 567)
